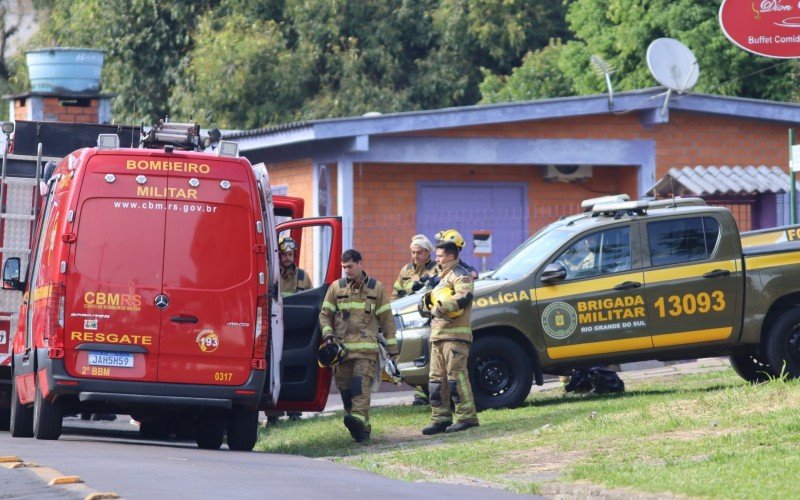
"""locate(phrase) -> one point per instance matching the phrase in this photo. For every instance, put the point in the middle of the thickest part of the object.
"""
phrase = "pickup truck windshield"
(528, 257)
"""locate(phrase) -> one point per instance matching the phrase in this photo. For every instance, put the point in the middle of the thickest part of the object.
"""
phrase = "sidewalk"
(630, 371)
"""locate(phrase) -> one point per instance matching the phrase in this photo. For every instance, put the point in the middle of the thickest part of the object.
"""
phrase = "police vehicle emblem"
(559, 320)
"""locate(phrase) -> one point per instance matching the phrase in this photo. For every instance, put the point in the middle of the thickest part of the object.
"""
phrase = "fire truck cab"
(152, 290)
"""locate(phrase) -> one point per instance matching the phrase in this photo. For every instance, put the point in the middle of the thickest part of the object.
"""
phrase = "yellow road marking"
(65, 480)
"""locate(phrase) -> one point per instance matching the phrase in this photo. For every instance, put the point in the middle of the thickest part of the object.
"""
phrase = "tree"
(145, 43)
(619, 31)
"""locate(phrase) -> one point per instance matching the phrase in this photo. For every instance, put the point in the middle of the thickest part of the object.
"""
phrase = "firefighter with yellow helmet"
(353, 309)
(455, 237)
(293, 279)
(449, 305)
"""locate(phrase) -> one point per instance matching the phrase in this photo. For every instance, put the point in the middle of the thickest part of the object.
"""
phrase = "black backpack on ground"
(596, 380)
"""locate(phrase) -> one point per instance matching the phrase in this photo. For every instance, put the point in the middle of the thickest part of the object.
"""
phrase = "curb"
(54, 478)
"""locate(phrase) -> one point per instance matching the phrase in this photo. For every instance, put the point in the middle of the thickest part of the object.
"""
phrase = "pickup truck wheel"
(752, 368)
(783, 344)
(501, 373)
(210, 432)
(242, 429)
(21, 424)
(47, 416)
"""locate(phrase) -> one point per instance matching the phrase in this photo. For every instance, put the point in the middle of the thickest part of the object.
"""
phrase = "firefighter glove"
(422, 307)
(416, 286)
(433, 281)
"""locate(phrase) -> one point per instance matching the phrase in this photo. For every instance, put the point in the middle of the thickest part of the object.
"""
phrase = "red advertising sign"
(769, 28)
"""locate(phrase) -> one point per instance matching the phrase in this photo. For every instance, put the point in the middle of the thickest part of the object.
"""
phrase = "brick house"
(508, 168)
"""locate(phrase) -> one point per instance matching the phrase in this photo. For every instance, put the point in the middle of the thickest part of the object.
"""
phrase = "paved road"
(108, 458)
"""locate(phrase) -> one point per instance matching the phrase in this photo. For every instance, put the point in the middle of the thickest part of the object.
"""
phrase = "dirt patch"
(582, 489)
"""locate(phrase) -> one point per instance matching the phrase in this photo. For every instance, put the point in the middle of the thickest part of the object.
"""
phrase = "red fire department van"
(152, 290)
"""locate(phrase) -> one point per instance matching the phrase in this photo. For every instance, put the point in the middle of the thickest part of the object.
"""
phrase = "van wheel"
(21, 424)
(47, 416)
(752, 368)
(501, 373)
(242, 429)
(210, 432)
(783, 344)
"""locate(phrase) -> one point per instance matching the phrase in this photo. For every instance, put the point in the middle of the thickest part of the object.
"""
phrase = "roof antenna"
(604, 69)
(672, 188)
(132, 127)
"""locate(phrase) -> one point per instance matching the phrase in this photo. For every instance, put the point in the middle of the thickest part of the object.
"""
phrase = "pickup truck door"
(693, 279)
(305, 385)
(599, 308)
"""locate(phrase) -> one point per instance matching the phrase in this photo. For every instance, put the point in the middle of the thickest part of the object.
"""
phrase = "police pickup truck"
(625, 281)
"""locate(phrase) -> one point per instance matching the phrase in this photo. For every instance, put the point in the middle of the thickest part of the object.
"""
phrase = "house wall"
(385, 194)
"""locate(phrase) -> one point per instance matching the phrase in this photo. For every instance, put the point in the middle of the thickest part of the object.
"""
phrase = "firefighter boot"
(461, 426)
(436, 428)
(357, 428)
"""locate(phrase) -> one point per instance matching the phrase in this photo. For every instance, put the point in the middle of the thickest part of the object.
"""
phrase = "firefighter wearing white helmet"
(353, 309)
(293, 279)
(412, 278)
(449, 305)
(414, 274)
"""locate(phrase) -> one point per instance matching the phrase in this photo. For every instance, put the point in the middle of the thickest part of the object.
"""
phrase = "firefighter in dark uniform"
(412, 278)
(450, 306)
(293, 279)
(353, 309)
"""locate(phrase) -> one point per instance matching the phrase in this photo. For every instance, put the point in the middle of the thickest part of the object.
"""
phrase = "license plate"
(115, 359)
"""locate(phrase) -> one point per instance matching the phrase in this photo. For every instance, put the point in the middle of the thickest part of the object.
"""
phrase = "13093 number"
(690, 303)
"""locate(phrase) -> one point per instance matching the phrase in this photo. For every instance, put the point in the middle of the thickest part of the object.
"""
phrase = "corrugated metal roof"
(722, 181)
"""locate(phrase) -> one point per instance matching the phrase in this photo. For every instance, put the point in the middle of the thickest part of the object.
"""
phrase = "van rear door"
(114, 273)
(211, 268)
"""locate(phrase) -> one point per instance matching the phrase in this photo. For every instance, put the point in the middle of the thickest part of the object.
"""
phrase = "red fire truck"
(151, 289)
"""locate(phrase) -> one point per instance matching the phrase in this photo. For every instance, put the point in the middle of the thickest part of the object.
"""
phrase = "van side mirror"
(554, 271)
(11, 275)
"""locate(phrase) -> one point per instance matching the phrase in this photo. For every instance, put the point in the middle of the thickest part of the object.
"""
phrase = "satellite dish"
(672, 64)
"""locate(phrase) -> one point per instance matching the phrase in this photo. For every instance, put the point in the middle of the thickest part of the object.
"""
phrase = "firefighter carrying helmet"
(437, 296)
(450, 235)
(286, 244)
(331, 354)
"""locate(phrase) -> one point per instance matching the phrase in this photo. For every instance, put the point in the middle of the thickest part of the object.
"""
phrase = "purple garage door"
(500, 207)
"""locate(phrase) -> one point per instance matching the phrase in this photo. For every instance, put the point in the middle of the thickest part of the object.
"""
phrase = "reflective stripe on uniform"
(328, 305)
(391, 342)
(383, 309)
(351, 305)
(456, 329)
(327, 329)
(361, 346)
(398, 286)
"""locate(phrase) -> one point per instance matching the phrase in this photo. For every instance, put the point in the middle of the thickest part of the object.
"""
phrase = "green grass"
(709, 435)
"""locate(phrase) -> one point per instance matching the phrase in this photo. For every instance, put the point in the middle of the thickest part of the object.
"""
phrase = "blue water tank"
(63, 69)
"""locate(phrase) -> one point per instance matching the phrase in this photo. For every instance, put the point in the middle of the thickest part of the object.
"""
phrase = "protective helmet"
(286, 244)
(438, 296)
(450, 235)
(329, 355)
